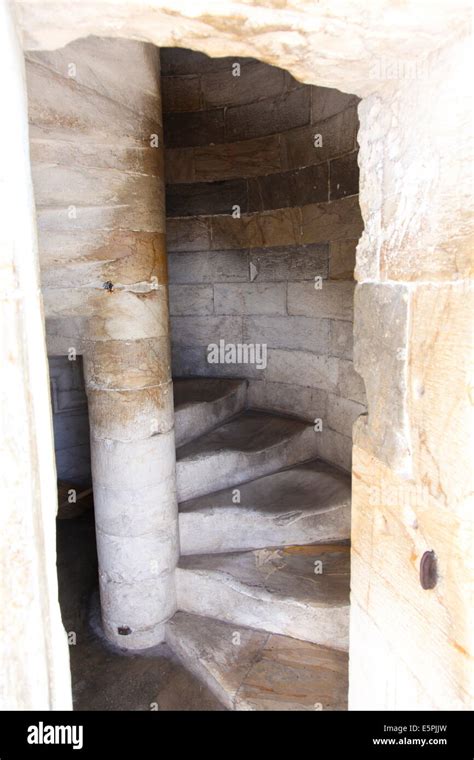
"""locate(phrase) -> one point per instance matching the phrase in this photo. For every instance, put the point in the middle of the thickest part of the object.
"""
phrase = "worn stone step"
(298, 591)
(250, 669)
(304, 504)
(251, 445)
(203, 403)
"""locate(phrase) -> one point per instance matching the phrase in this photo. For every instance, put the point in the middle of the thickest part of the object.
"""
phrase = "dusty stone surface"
(277, 590)
(253, 444)
(106, 677)
(201, 404)
(299, 41)
(101, 225)
(34, 657)
(251, 670)
(301, 505)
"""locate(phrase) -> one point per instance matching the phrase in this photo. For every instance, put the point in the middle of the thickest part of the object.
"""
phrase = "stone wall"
(262, 201)
(70, 420)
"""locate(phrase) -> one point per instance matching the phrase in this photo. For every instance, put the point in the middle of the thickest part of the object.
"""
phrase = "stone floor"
(104, 678)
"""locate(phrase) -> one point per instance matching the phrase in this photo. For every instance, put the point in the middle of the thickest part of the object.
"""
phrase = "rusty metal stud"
(428, 570)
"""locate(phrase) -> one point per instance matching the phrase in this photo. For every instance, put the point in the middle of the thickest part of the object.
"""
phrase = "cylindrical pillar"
(96, 142)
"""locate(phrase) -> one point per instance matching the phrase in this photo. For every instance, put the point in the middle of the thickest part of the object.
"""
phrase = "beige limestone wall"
(262, 202)
(97, 159)
(34, 657)
(412, 470)
(373, 51)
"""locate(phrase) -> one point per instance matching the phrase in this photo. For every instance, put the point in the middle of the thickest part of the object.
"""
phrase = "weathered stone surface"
(128, 415)
(381, 339)
(190, 234)
(265, 229)
(341, 339)
(336, 448)
(179, 165)
(253, 444)
(128, 75)
(319, 142)
(191, 331)
(301, 333)
(268, 117)
(296, 188)
(350, 382)
(202, 404)
(191, 299)
(341, 414)
(250, 298)
(326, 102)
(257, 81)
(342, 254)
(192, 361)
(344, 176)
(144, 363)
(283, 264)
(276, 587)
(263, 672)
(304, 504)
(302, 368)
(338, 220)
(307, 403)
(184, 130)
(334, 300)
(192, 199)
(181, 93)
(209, 266)
(244, 158)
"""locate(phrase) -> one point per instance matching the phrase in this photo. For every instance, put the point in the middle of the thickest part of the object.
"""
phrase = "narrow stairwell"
(263, 580)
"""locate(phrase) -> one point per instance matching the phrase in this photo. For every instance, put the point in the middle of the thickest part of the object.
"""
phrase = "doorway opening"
(262, 223)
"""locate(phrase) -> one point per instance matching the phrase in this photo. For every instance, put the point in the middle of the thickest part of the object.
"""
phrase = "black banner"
(138, 734)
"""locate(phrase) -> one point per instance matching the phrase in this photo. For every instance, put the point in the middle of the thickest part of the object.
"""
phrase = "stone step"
(249, 446)
(203, 403)
(298, 591)
(305, 504)
(249, 669)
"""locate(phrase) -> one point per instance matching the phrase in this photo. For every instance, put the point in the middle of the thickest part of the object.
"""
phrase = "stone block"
(245, 158)
(314, 144)
(344, 176)
(208, 266)
(334, 300)
(188, 234)
(180, 93)
(267, 117)
(266, 229)
(290, 263)
(326, 102)
(341, 414)
(295, 188)
(302, 368)
(301, 333)
(381, 333)
(191, 299)
(342, 259)
(306, 403)
(250, 298)
(184, 130)
(179, 165)
(257, 81)
(350, 383)
(338, 220)
(200, 331)
(206, 198)
(341, 339)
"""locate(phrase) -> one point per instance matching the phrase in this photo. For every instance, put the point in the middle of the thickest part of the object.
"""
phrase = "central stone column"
(133, 467)
(96, 145)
